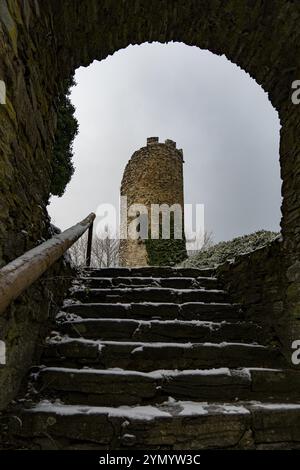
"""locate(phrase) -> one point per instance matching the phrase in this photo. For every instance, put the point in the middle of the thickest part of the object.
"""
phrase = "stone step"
(125, 387)
(149, 294)
(174, 425)
(146, 356)
(169, 282)
(156, 330)
(157, 310)
(149, 271)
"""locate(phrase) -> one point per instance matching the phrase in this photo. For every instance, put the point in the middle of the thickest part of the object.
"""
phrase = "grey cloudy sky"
(217, 114)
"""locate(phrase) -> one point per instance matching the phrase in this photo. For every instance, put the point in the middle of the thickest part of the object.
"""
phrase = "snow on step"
(167, 282)
(150, 272)
(129, 305)
(188, 345)
(145, 279)
(156, 310)
(145, 356)
(138, 412)
(157, 344)
(275, 406)
(147, 289)
(114, 386)
(156, 374)
(175, 424)
(156, 294)
(212, 325)
(169, 373)
(167, 409)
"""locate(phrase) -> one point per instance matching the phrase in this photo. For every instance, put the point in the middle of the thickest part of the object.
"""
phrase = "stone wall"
(27, 127)
(43, 42)
(25, 324)
(153, 175)
(257, 281)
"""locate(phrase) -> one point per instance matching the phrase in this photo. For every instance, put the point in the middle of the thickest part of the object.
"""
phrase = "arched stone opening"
(219, 115)
(42, 43)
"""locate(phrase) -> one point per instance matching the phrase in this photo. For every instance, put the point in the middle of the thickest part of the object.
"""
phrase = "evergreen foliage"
(67, 129)
(224, 251)
(166, 252)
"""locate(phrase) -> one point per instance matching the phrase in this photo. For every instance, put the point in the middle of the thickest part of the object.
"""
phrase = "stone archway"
(42, 43)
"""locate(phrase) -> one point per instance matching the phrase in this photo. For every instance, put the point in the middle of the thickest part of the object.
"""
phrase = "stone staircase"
(157, 358)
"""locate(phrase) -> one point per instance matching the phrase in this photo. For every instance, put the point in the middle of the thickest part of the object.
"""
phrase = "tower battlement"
(152, 140)
(168, 142)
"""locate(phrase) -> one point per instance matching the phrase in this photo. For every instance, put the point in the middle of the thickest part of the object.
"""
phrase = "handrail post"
(19, 274)
(89, 245)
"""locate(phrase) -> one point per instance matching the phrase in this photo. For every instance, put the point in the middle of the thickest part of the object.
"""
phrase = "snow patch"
(191, 408)
(224, 344)
(138, 412)
(277, 406)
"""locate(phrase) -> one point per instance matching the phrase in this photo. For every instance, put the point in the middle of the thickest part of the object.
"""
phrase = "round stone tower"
(153, 176)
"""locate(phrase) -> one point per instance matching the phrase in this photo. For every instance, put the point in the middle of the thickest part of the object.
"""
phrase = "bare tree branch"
(105, 251)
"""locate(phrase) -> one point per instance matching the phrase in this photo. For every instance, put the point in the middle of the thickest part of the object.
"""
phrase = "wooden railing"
(18, 275)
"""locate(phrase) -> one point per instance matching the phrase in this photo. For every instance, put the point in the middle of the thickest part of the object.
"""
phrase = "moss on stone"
(166, 252)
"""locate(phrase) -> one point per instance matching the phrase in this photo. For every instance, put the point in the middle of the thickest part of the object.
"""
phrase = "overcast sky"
(218, 115)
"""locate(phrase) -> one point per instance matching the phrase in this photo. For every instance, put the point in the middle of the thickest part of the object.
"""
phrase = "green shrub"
(67, 129)
(223, 251)
(166, 252)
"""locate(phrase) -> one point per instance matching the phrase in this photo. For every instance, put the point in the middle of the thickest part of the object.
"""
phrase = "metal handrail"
(21, 273)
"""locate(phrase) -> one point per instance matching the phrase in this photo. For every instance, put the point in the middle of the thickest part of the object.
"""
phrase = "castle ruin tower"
(153, 175)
